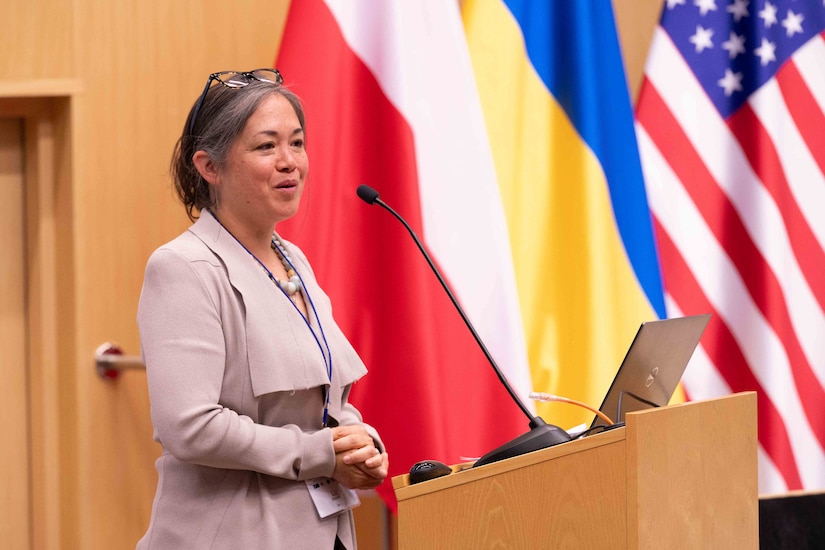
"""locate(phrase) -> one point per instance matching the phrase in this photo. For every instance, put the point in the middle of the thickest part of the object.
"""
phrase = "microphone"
(541, 434)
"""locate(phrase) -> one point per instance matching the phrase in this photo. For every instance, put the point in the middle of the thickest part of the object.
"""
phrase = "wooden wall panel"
(636, 21)
(37, 41)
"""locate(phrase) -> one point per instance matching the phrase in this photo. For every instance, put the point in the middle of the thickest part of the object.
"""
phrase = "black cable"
(599, 429)
(634, 396)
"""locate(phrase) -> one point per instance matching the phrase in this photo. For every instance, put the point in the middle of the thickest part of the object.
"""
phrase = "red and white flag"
(391, 103)
(730, 129)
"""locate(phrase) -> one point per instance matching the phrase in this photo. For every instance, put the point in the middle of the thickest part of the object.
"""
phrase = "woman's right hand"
(358, 463)
(357, 476)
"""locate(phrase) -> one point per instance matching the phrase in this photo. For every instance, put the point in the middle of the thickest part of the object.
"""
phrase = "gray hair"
(221, 120)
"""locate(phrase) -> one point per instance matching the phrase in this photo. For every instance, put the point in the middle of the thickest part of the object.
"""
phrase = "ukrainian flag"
(560, 123)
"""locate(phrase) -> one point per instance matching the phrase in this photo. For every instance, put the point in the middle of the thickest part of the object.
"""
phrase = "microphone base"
(539, 437)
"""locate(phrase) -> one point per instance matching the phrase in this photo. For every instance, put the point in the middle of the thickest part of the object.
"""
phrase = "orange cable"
(538, 396)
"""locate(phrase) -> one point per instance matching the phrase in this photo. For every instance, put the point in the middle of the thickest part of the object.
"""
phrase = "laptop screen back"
(653, 366)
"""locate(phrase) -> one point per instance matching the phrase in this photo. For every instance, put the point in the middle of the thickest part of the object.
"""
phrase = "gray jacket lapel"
(283, 355)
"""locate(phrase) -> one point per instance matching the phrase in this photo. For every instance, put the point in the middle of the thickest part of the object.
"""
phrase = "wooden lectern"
(682, 476)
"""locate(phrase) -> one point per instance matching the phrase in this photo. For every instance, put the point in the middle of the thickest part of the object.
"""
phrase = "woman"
(248, 373)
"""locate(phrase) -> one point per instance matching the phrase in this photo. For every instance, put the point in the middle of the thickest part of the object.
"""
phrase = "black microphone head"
(367, 194)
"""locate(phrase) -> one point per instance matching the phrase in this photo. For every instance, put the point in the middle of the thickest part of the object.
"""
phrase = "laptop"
(652, 367)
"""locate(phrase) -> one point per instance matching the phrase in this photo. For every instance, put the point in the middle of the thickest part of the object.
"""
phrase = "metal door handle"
(110, 361)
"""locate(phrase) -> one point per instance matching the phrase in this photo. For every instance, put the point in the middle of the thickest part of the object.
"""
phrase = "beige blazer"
(236, 385)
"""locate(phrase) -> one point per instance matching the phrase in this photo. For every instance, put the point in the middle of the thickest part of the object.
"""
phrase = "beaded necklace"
(292, 285)
(290, 288)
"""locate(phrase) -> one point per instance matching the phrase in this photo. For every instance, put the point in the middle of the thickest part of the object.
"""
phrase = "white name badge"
(330, 497)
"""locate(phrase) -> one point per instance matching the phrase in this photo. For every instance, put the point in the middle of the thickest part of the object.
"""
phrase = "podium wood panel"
(695, 465)
(531, 501)
(676, 477)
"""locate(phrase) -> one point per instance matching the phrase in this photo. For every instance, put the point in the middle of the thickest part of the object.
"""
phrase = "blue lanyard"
(326, 356)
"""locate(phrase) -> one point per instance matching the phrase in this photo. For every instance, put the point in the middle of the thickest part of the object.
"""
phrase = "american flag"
(731, 134)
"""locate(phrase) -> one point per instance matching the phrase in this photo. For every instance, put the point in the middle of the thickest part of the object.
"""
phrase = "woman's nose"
(286, 160)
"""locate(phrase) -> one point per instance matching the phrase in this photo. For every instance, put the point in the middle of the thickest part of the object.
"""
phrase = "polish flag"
(391, 102)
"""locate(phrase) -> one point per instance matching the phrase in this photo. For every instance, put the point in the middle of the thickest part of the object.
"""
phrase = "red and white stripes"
(737, 207)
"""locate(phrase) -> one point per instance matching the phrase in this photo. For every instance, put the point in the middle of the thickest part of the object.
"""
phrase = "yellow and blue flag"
(560, 123)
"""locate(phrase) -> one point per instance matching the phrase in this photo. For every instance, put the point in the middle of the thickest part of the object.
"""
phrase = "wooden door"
(15, 471)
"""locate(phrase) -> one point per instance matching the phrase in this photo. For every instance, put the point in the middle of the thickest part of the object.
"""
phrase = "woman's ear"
(205, 166)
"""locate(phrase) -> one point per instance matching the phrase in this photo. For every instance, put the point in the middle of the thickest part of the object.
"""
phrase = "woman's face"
(263, 177)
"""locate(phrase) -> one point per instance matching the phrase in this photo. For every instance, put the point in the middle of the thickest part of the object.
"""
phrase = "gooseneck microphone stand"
(541, 434)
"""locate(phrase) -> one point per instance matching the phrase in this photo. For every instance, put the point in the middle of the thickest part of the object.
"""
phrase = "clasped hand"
(358, 463)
